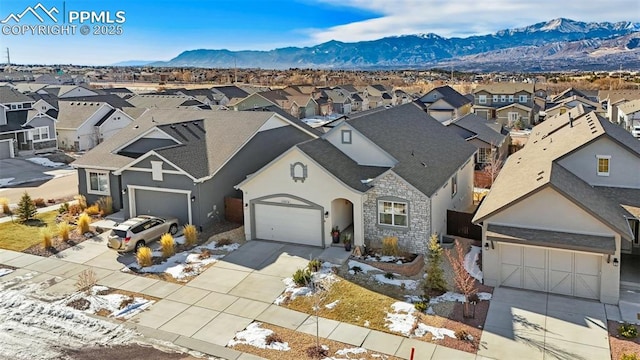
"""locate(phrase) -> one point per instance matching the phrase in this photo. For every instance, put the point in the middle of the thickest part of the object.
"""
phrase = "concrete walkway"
(538, 326)
(207, 312)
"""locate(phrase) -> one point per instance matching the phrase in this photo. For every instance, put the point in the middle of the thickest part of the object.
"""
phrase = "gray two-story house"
(510, 104)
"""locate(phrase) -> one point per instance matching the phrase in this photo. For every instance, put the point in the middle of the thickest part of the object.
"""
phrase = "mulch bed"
(621, 345)
(129, 352)
(58, 245)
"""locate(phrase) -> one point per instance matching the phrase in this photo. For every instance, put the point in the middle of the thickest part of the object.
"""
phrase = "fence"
(459, 224)
(233, 210)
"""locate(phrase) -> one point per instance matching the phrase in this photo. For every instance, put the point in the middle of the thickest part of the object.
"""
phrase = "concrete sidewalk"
(207, 312)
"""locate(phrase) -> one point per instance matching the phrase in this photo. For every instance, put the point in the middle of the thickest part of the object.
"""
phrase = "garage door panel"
(535, 279)
(161, 203)
(560, 282)
(297, 225)
(587, 264)
(511, 254)
(587, 277)
(511, 269)
(561, 260)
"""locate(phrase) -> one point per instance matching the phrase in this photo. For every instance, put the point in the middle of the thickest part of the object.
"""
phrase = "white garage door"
(554, 271)
(289, 224)
(6, 149)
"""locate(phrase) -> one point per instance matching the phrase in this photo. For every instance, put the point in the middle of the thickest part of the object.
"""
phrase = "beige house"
(564, 210)
(444, 103)
(508, 103)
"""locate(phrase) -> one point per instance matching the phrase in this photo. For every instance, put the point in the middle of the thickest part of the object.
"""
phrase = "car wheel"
(140, 244)
(173, 229)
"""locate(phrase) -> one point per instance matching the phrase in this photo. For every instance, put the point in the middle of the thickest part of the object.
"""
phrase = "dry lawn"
(17, 236)
(299, 342)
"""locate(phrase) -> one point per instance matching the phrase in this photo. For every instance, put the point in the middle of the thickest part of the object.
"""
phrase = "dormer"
(358, 147)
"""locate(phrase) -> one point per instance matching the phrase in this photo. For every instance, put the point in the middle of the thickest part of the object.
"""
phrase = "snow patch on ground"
(186, 263)
(332, 305)
(34, 329)
(111, 303)
(364, 267)
(471, 262)
(453, 296)
(402, 320)
(408, 284)
(256, 336)
(385, 258)
(6, 181)
(293, 291)
(45, 162)
(4, 271)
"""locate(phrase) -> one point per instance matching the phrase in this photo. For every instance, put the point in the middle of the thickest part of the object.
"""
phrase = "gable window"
(510, 98)
(454, 185)
(393, 213)
(522, 98)
(98, 182)
(603, 164)
(40, 133)
(156, 170)
(495, 98)
(503, 98)
(346, 136)
(482, 99)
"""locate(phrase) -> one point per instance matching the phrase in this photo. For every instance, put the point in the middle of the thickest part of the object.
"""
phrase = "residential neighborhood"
(320, 180)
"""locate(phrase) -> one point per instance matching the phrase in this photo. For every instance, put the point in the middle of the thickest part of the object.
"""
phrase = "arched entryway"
(342, 216)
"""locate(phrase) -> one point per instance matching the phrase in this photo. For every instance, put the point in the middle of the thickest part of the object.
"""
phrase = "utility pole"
(235, 72)
(8, 60)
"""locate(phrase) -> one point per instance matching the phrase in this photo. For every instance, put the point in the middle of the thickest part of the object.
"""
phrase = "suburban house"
(508, 103)
(340, 99)
(391, 172)
(227, 94)
(300, 106)
(564, 210)
(611, 99)
(444, 103)
(563, 105)
(629, 117)
(359, 100)
(19, 133)
(182, 162)
(67, 91)
(379, 95)
(84, 124)
(490, 138)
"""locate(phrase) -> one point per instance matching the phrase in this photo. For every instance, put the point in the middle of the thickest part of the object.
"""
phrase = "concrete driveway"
(531, 325)
(18, 171)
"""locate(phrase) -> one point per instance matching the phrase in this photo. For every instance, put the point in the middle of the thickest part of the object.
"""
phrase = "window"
(510, 98)
(454, 185)
(97, 182)
(346, 136)
(14, 106)
(503, 98)
(156, 170)
(495, 98)
(522, 98)
(603, 165)
(40, 134)
(484, 155)
(393, 213)
(482, 99)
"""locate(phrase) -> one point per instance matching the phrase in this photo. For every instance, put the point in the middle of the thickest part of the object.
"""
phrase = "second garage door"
(299, 225)
(162, 203)
(555, 271)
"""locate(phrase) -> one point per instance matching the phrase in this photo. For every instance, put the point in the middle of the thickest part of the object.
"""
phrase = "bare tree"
(464, 282)
(320, 289)
(493, 165)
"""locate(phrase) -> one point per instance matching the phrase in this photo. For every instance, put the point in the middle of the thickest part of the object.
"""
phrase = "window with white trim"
(98, 182)
(503, 98)
(40, 134)
(522, 98)
(454, 185)
(346, 136)
(604, 162)
(495, 98)
(156, 170)
(484, 155)
(482, 99)
(510, 98)
(393, 213)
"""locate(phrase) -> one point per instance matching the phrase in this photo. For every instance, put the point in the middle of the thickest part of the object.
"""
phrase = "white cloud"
(465, 17)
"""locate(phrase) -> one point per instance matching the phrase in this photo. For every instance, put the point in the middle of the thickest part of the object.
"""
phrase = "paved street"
(63, 186)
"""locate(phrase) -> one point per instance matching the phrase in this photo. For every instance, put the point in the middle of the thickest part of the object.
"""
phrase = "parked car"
(140, 231)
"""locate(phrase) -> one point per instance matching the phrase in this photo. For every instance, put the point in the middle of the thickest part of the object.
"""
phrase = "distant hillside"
(134, 63)
(558, 44)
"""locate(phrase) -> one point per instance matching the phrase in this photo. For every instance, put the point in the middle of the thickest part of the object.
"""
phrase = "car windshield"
(120, 233)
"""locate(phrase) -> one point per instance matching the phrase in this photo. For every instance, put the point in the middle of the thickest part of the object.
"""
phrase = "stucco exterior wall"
(442, 200)
(361, 150)
(413, 238)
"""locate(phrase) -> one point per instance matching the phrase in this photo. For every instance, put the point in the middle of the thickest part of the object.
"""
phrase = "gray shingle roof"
(72, 114)
(11, 95)
(339, 164)
(428, 153)
(230, 91)
(452, 97)
(481, 127)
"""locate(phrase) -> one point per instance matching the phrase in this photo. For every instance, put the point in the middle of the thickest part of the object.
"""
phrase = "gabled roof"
(286, 115)
(48, 98)
(29, 87)
(482, 128)
(568, 93)
(451, 96)
(613, 96)
(348, 88)
(230, 91)
(72, 114)
(111, 99)
(516, 105)
(159, 101)
(15, 121)
(535, 167)
(630, 107)
(505, 88)
(11, 95)
(428, 153)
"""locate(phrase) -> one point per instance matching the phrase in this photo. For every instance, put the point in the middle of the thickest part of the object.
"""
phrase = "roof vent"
(539, 178)
(173, 126)
(184, 125)
(541, 172)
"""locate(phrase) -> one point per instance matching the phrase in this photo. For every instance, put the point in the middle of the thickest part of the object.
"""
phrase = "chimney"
(570, 120)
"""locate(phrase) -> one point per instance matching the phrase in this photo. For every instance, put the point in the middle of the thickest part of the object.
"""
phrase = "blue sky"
(161, 29)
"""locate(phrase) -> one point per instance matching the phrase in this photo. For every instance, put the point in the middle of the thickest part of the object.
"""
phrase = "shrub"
(4, 202)
(314, 265)
(82, 201)
(168, 245)
(390, 275)
(86, 279)
(302, 277)
(46, 235)
(188, 269)
(273, 338)
(316, 352)
(74, 210)
(92, 210)
(462, 334)
(629, 331)
(629, 357)
(39, 202)
(356, 269)
(421, 306)
(390, 246)
(223, 242)
(190, 234)
(83, 223)
(205, 254)
(105, 204)
(64, 207)
(144, 256)
(435, 275)
(26, 210)
(63, 230)
(51, 201)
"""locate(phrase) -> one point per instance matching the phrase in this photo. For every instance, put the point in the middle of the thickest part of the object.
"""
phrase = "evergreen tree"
(435, 275)
(26, 208)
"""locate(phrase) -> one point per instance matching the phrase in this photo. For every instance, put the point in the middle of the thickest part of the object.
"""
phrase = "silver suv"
(139, 231)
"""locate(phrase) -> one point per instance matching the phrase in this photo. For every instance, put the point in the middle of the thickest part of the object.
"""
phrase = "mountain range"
(558, 44)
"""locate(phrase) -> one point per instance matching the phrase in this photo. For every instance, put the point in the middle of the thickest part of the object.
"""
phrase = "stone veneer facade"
(412, 239)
